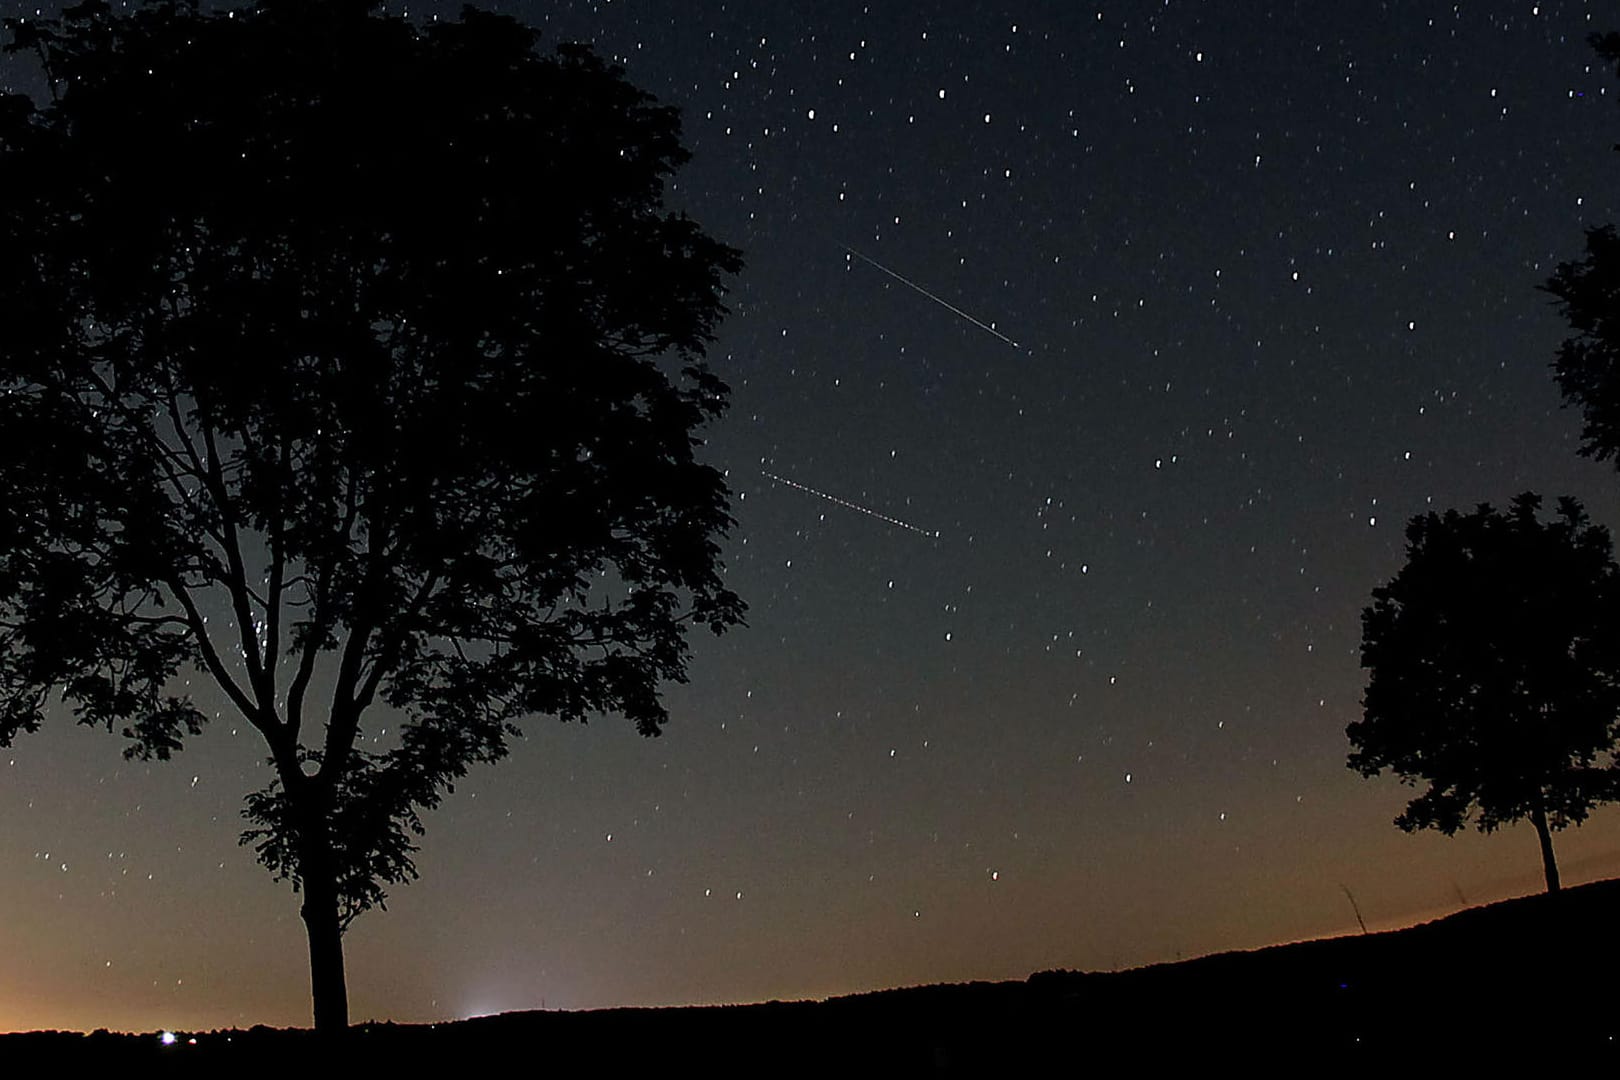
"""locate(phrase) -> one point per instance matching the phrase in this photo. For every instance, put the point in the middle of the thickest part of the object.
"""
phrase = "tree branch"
(278, 572)
(322, 622)
(173, 465)
(344, 721)
(236, 578)
(216, 668)
(388, 655)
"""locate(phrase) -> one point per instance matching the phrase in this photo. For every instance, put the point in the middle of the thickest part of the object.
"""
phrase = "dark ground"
(1535, 976)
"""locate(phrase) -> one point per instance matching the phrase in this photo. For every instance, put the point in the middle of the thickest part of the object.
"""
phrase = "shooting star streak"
(848, 505)
(946, 304)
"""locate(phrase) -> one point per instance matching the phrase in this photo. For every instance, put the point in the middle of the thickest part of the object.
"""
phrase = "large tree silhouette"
(1588, 293)
(358, 364)
(1494, 660)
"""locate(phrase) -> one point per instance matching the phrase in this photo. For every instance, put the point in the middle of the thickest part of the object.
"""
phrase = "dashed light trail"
(932, 534)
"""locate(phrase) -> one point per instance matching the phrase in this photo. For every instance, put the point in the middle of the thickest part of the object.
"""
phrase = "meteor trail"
(946, 304)
(847, 504)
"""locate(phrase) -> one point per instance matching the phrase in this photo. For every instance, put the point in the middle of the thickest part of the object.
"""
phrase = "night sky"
(1051, 645)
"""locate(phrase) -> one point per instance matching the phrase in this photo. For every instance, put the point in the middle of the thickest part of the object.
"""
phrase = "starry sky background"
(1271, 270)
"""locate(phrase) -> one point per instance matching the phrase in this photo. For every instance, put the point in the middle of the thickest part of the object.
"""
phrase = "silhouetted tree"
(1494, 659)
(359, 364)
(1588, 292)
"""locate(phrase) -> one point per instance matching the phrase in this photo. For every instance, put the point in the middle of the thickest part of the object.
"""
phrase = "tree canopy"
(1494, 661)
(355, 362)
(1588, 292)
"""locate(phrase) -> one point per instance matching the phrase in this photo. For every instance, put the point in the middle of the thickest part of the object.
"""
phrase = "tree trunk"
(320, 913)
(1549, 865)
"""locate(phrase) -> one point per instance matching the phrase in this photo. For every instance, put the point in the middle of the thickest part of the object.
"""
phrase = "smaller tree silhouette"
(1494, 659)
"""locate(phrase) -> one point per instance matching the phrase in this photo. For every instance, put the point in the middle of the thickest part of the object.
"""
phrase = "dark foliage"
(1494, 661)
(1588, 292)
(349, 359)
